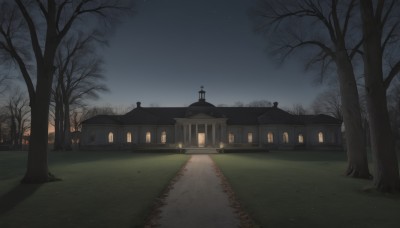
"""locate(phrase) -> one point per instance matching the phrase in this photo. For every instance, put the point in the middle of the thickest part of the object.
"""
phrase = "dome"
(202, 100)
(201, 104)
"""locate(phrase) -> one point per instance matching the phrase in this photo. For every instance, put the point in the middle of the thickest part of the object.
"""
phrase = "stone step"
(201, 151)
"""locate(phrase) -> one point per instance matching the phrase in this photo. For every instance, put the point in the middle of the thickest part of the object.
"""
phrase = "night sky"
(169, 48)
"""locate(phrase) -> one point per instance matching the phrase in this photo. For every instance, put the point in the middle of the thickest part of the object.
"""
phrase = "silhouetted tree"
(18, 114)
(321, 29)
(297, 109)
(94, 111)
(255, 103)
(380, 27)
(394, 110)
(328, 102)
(78, 76)
(3, 123)
(259, 103)
(3, 84)
(30, 34)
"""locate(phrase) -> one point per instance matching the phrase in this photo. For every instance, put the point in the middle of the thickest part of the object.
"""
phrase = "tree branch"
(393, 72)
(32, 30)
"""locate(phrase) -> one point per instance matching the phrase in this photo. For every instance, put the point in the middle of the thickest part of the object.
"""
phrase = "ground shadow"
(16, 195)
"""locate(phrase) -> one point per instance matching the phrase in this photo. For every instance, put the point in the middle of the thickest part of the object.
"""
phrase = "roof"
(234, 116)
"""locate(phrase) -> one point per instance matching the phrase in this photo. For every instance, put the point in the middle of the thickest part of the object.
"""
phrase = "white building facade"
(202, 125)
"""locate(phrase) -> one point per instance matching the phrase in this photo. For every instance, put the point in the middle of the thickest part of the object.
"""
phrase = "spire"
(202, 94)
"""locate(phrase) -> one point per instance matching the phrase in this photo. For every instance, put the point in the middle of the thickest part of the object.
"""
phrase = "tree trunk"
(37, 168)
(355, 141)
(386, 172)
(57, 120)
(67, 126)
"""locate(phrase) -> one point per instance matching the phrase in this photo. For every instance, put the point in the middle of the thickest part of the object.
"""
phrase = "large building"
(202, 124)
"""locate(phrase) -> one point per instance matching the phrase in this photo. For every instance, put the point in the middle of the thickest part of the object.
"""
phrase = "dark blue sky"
(164, 53)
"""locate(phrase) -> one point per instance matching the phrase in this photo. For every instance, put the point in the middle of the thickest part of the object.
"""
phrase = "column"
(213, 134)
(206, 139)
(222, 134)
(175, 133)
(196, 135)
(184, 134)
(190, 134)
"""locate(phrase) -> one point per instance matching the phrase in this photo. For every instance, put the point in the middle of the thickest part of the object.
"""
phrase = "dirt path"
(197, 199)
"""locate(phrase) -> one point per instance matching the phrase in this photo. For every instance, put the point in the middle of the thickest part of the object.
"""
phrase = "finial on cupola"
(202, 94)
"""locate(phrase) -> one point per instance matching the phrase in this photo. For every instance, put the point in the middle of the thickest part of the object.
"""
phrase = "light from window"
(285, 137)
(270, 137)
(128, 137)
(163, 137)
(321, 137)
(301, 138)
(249, 137)
(148, 137)
(110, 137)
(231, 138)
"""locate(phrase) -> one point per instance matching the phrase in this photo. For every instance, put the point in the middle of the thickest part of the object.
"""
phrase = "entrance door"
(201, 139)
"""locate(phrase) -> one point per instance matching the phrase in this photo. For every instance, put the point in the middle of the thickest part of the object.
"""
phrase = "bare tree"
(255, 103)
(329, 43)
(94, 111)
(3, 123)
(3, 84)
(297, 109)
(394, 110)
(30, 34)
(78, 76)
(380, 28)
(328, 102)
(259, 103)
(18, 113)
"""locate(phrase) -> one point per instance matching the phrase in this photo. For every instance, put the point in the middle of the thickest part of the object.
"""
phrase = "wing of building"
(202, 124)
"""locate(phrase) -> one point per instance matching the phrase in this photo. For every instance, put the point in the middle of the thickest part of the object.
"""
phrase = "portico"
(201, 130)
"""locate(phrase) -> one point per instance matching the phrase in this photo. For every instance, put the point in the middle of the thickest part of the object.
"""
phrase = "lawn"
(98, 189)
(306, 189)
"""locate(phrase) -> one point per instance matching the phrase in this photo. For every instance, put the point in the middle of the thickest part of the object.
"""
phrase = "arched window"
(301, 138)
(148, 137)
(231, 138)
(128, 137)
(163, 137)
(285, 137)
(321, 137)
(110, 137)
(270, 137)
(250, 137)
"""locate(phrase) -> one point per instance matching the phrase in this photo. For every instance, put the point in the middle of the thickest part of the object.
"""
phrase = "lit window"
(128, 137)
(231, 138)
(270, 137)
(301, 138)
(249, 137)
(285, 137)
(320, 137)
(110, 137)
(163, 137)
(148, 137)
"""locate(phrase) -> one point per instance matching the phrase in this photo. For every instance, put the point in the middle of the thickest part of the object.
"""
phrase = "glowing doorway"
(201, 139)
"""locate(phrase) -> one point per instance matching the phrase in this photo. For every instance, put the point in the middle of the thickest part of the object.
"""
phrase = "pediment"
(201, 116)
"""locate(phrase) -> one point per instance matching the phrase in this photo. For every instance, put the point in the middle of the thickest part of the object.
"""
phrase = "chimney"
(138, 105)
(275, 104)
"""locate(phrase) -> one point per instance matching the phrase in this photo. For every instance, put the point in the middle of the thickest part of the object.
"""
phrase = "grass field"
(283, 189)
(98, 189)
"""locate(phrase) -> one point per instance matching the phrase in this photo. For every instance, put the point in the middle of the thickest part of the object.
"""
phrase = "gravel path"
(197, 199)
